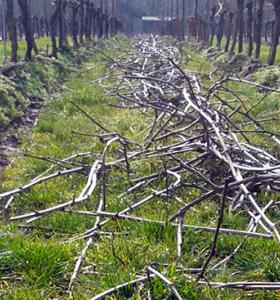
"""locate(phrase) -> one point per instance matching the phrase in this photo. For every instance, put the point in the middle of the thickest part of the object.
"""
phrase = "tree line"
(81, 19)
(234, 22)
(227, 24)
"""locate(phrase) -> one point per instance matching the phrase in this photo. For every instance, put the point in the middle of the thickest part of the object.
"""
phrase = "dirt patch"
(24, 90)
(9, 140)
(239, 63)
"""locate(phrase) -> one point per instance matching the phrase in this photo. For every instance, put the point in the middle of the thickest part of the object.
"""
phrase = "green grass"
(41, 260)
(265, 49)
(43, 44)
(33, 82)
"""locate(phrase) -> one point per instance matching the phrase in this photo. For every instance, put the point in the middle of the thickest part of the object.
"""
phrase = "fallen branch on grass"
(196, 139)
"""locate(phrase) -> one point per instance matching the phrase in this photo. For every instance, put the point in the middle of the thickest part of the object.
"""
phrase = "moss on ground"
(268, 76)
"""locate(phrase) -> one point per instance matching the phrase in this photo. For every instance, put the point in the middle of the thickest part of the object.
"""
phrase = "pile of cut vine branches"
(198, 140)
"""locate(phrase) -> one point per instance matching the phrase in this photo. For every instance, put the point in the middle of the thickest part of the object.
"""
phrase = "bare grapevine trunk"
(235, 36)
(53, 25)
(26, 21)
(259, 28)
(220, 29)
(250, 20)
(75, 27)
(82, 22)
(229, 31)
(240, 10)
(100, 20)
(87, 21)
(212, 24)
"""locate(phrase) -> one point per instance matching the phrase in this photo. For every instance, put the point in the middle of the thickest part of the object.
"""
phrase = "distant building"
(158, 25)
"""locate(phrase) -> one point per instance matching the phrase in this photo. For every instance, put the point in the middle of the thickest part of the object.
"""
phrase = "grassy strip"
(265, 49)
(40, 263)
(43, 44)
(32, 82)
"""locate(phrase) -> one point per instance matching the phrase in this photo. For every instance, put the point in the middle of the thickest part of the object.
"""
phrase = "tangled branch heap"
(205, 139)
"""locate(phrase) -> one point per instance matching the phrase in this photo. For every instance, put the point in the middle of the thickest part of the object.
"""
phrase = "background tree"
(200, 19)
(75, 5)
(229, 31)
(276, 32)
(240, 14)
(53, 23)
(258, 28)
(250, 19)
(220, 29)
(184, 17)
(12, 29)
(26, 21)
(82, 21)
(100, 20)
(212, 24)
